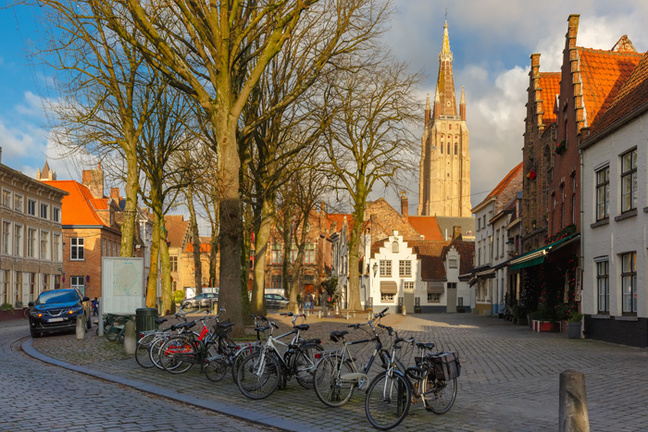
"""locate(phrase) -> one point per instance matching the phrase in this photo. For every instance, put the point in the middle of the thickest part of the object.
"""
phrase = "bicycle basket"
(222, 330)
(446, 365)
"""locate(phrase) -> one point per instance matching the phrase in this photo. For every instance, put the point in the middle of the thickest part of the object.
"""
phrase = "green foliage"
(575, 317)
(178, 296)
(6, 307)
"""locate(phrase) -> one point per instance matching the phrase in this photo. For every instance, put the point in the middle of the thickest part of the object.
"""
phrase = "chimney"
(93, 180)
(456, 232)
(114, 194)
(404, 205)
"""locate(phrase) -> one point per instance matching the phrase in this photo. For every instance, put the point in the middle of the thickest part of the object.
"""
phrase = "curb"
(243, 414)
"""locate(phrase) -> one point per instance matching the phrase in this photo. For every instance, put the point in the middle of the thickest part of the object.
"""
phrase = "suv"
(204, 300)
(57, 311)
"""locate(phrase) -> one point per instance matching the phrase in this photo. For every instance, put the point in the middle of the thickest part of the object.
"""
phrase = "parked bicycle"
(150, 337)
(261, 373)
(432, 380)
(337, 374)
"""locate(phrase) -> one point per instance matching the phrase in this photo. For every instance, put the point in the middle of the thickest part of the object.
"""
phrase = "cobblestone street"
(509, 381)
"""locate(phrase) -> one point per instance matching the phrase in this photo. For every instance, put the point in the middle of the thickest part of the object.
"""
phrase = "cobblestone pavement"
(509, 381)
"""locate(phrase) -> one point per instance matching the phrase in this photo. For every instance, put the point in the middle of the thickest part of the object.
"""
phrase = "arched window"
(394, 247)
(448, 148)
(456, 148)
(441, 147)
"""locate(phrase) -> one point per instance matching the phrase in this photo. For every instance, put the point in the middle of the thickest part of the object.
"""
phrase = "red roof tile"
(427, 226)
(602, 74)
(550, 87)
(505, 181)
(176, 229)
(79, 206)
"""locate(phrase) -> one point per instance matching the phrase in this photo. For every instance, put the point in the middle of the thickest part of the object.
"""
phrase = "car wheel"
(34, 333)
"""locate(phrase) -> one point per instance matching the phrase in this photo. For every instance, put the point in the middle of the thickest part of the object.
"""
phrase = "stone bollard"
(130, 342)
(80, 327)
(404, 311)
(573, 416)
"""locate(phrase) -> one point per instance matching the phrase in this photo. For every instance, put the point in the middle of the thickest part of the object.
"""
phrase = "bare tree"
(369, 139)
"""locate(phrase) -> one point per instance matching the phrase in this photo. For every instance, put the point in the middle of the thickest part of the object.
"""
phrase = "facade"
(444, 171)
(31, 237)
(615, 188)
(90, 229)
(490, 244)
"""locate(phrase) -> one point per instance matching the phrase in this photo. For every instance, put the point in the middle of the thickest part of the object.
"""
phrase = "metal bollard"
(80, 327)
(573, 416)
(130, 342)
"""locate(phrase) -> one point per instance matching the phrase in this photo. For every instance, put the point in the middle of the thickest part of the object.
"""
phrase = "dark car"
(276, 301)
(204, 300)
(57, 311)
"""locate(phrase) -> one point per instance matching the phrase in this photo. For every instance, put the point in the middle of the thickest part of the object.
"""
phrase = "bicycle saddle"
(427, 346)
(302, 327)
(337, 336)
(159, 321)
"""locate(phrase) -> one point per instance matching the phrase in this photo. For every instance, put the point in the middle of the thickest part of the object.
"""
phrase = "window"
(31, 243)
(629, 282)
(277, 256)
(629, 180)
(174, 263)
(104, 251)
(309, 254)
(385, 268)
(18, 288)
(6, 199)
(603, 286)
(602, 193)
(18, 203)
(44, 245)
(395, 247)
(56, 247)
(6, 237)
(455, 149)
(31, 207)
(387, 298)
(404, 268)
(56, 214)
(408, 286)
(573, 199)
(434, 298)
(77, 282)
(77, 249)
(18, 239)
(452, 263)
(44, 211)
(4, 286)
(562, 206)
(275, 281)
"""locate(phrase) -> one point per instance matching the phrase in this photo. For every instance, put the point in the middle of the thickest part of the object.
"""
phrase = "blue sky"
(491, 41)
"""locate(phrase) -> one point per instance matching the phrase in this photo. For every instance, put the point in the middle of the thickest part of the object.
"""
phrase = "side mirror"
(30, 304)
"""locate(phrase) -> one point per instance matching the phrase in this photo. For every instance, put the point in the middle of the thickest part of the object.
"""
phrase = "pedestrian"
(308, 301)
(95, 307)
(324, 303)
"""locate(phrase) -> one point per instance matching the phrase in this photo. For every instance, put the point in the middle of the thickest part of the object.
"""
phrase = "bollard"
(80, 327)
(404, 310)
(573, 416)
(130, 343)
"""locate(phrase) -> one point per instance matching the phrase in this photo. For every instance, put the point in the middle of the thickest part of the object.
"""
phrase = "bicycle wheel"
(112, 334)
(305, 363)
(258, 375)
(176, 353)
(154, 351)
(388, 400)
(330, 388)
(439, 395)
(142, 351)
(216, 369)
(240, 355)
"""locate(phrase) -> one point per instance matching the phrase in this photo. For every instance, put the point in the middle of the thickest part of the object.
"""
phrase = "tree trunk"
(354, 302)
(130, 209)
(196, 241)
(151, 289)
(167, 296)
(260, 254)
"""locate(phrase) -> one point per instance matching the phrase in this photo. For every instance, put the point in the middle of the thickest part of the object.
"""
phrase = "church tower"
(444, 172)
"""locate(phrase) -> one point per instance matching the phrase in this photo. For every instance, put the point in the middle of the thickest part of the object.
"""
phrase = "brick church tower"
(444, 176)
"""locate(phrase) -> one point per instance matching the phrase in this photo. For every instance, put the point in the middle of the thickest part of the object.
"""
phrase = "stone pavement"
(509, 381)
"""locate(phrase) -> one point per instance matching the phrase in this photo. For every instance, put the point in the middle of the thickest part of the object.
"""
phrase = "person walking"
(95, 307)
(308, 301)
(324, 303)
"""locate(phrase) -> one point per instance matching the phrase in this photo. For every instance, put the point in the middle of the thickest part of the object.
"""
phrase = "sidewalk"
(509, 379)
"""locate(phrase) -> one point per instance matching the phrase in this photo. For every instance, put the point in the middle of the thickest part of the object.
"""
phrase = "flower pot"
(574, 330)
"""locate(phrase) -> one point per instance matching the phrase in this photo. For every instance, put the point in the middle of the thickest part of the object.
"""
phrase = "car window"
(51, 297)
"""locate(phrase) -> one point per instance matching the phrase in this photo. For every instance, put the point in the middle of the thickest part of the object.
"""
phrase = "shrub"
(6, 307)
(178, 296)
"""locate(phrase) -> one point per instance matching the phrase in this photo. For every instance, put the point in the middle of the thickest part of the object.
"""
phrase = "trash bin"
(145, 320)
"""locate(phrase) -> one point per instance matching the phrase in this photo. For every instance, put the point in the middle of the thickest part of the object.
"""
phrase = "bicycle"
(261, 373)
(391, 393)
(337, 375)
(114, 326)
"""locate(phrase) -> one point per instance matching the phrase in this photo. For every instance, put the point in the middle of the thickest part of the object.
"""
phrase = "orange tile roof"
(427, 226)
(79, 206)
(176, 229)
(632, 95)
(550, 87)
(338, 218)
(505, 181)
(603, 73)
(204, 248)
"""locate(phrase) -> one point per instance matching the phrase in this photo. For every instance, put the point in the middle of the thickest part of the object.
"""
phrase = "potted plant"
(574, 325)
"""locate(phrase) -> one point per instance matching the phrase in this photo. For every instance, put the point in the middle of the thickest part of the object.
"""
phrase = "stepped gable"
(602, 74)
(631, 98)
(388, 219)
(466, 251)
(177, 230)
(549, 89)
(432, 267)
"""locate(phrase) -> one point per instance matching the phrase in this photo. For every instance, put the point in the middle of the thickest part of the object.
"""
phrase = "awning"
(537, 256)
(435, 288)
(486, 274)
(388, 287)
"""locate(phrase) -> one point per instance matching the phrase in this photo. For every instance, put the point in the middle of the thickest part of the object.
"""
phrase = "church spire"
(445, 79)
(427, 110)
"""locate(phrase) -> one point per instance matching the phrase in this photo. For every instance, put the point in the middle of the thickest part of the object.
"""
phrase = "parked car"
(57, 311)
(276, 301)
(204, 300)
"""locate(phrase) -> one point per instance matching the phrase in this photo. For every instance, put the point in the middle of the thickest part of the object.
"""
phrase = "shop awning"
(435, 288)
(388, 287)
(536, 257)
